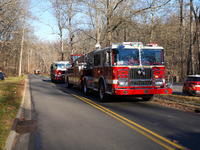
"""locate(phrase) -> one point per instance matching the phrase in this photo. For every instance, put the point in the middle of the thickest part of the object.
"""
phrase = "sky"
(42, 30)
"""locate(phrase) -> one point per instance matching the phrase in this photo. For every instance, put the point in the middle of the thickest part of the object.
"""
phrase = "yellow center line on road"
(128, 122)
(36, 76)
(131, 122)
(117, 116)
(53, 83)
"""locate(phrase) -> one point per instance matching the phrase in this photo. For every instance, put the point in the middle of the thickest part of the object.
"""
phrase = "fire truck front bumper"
(60, 78)
(142, 91)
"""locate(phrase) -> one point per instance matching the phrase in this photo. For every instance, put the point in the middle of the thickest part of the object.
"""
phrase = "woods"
(173, 24)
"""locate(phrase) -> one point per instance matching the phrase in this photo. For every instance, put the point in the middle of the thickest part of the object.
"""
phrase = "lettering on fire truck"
(126, 69)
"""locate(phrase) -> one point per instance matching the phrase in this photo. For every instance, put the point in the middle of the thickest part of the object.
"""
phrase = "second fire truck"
(125, 69)
(58, 69)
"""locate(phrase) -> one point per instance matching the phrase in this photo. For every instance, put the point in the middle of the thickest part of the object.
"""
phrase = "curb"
(12, 135)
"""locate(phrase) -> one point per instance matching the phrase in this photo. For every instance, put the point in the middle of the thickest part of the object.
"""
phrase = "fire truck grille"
(132, 83)
(62, 72)
(140, 77)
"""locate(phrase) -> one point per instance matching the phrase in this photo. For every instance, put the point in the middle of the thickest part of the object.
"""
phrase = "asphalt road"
(177, 89)
(69, 120)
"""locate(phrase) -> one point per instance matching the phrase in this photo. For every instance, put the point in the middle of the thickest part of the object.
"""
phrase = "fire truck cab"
(37, 71)
(74, 57)
(125, 69)
(58, 69)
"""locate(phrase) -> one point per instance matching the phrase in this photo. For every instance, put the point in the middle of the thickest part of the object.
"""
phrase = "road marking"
(127, 122)
(36, 76)
(53, 83)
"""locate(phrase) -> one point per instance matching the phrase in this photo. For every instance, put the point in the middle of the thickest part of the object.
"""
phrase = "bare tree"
(22, 42)
(118, 11)
(58, 12)
(190, 56)
(197, 33)
(71, 11)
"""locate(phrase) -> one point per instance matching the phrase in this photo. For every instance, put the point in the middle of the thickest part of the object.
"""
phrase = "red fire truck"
(74, 57)
(37, 71)
(58, 69)
(126, 69)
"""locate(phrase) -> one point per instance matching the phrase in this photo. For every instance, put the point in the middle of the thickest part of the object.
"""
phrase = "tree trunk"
(181, 38)
(152, 24)
(198, 34)
(22, 42)
(61, 43)
(108, 29)
(191, 38)
(71, 36)
(125, 33)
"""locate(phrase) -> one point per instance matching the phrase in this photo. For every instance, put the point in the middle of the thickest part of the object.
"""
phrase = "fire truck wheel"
(53, 80)
(85, 88)
(102, 94)
(148, 98)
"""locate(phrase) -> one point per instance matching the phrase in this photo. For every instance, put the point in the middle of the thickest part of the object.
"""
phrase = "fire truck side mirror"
(107, 62)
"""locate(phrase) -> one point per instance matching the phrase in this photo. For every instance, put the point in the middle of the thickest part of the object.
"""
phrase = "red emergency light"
(152, 44)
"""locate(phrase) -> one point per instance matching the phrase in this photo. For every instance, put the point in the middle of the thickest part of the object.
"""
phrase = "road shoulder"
(14, 140)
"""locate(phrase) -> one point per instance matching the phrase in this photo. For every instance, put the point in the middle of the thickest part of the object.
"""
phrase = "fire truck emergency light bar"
(127, 45)
(132, 45)
(152, 45)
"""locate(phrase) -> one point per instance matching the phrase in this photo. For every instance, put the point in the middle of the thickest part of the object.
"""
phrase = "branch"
(87, 34)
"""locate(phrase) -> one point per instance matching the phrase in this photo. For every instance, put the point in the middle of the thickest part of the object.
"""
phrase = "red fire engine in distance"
(58, 69)
(126, 69)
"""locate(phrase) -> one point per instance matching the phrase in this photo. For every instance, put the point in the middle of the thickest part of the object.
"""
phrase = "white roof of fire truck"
(135, 45)
(196, 75)
(60, 62)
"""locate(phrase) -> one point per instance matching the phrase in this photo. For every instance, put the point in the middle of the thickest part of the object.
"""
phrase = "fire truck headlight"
(122, 83)
(168, 85)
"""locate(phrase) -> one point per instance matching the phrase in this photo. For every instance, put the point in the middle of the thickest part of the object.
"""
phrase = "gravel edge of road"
(170, 99)
(185, 106)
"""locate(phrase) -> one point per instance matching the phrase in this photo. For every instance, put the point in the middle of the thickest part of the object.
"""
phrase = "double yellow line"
(131, 124)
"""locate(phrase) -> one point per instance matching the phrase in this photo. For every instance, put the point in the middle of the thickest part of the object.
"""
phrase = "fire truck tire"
(102, 94)
(53, 80)
(85, 88)
(148, 98)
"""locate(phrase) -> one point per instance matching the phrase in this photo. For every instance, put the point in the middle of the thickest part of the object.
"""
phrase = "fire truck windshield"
(152, 57)
(125, 56)
(61, 66)
(68, 65)
(75, 57)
